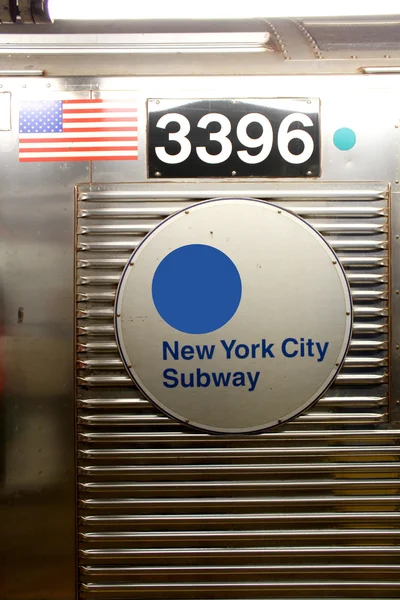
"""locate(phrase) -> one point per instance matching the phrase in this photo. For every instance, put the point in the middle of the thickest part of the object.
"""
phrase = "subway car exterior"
(106, 494)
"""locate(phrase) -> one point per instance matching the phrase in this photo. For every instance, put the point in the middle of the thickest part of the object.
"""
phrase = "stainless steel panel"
(37, 504)
(305, 511)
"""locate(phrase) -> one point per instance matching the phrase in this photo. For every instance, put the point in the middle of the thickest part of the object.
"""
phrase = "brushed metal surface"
(37, 502)
(307, 510)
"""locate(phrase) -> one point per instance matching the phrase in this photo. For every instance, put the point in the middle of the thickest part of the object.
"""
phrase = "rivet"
(279, 212)
(397, 401)
(157, 102)
(397, 181)
(118, 315)
(233, 173)
(397, 347)
(48, 84)
(186, 212)
(309, 173)
(129, 366)
(397, 291)
(334, 262)
(24, 85)
(397, 237)
(347, 313)
(157, 174)
(132, 263)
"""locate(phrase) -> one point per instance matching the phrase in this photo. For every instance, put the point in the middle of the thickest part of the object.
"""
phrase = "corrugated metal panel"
(305, 511)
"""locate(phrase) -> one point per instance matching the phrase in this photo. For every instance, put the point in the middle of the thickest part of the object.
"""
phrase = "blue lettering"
(205, 351)
(253, 380)
(187, 352)
(285, 351)
(201, 375)
(242, 351)
(169, 375)
(228, 349)
(238, 379)
(174, 352)
(221, 378)
(266, 350)
(321, 350)
(189, 383)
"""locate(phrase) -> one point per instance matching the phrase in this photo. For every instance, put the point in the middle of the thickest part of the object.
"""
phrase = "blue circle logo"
(196, 288)
(344, 138)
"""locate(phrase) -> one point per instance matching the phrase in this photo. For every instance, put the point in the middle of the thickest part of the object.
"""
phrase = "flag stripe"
(84, 154)
(79, 144)
(77, 111)
(81, 149)
(98, 119)
(101, 128)
(80, 136)
(75, 158)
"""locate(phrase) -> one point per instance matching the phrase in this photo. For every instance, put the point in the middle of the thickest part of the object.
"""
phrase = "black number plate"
(276, 137)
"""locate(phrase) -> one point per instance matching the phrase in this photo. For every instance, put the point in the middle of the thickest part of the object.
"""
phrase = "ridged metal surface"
(307, 511)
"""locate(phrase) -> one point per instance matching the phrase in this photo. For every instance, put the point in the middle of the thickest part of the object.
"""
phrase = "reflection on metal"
(380, 70)
(21, 72)
(176, 513)
(5, 111)
(134, 43)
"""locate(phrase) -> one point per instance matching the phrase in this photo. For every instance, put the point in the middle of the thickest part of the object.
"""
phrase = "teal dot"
(344, 138)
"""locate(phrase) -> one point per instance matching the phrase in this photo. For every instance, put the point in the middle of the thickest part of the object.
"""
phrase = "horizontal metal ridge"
(163, 209)
(112, 263)
(363, 261)
(370, 278)
(105, 263)
(211, 486)
(361, 378)
(138, 227)
(341, 379)
(96, 330)
(108, 312)
(357, 244)
(368, 344)
(138, 401)
(370, 311)
(297, 437)
(370, 328)
(250, 586)
(111, 346)
(161, 552)
(350, 533)
(142, 227)
(128, 245)
(222, 502)
(156, 418)
(242, 468)
(110, 246)
(281, 192)
(104, 380)
(116, 363)
(106, 279)
(237, 518)
(98, 296)
(229, 569)
(254, 452)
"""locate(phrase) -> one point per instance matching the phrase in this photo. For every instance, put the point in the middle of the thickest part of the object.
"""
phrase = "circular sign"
(233, 316)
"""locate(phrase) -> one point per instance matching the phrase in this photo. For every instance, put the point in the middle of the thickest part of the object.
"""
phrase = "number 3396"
(263, 142)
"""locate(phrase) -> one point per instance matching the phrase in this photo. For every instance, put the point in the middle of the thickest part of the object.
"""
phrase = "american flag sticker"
(73, 130)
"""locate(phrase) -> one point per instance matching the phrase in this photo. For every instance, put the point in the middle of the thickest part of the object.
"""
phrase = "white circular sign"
(233, 316)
